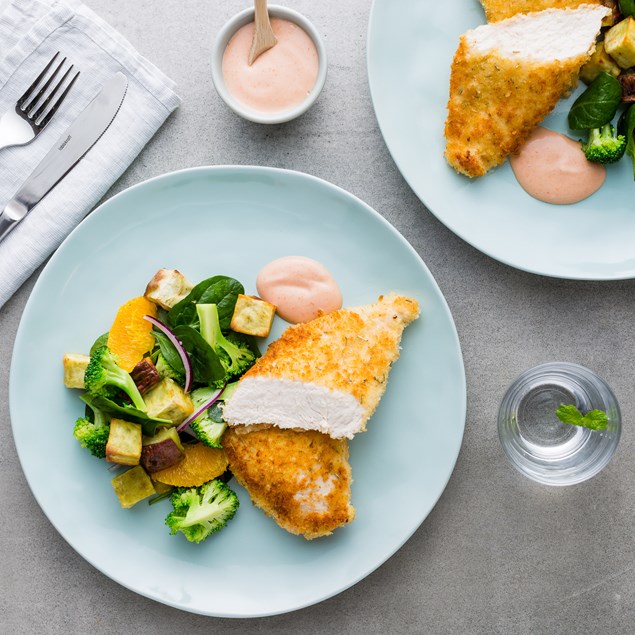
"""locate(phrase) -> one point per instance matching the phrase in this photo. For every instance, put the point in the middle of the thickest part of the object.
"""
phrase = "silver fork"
(33, 111)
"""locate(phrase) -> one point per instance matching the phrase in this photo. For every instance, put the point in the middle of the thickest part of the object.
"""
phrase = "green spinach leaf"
(169, 351)
(102, 340)
(626, 126)
(206, 367)
(162, 315)
(127, 413)
(597, 105)
(627, 7)
(220, 290)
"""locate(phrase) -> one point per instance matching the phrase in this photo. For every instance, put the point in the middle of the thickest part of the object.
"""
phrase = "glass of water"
(538, 444)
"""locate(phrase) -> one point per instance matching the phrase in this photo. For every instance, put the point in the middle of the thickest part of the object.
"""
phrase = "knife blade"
(67, 152)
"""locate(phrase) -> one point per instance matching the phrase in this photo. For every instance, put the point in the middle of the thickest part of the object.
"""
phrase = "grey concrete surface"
(498, 554)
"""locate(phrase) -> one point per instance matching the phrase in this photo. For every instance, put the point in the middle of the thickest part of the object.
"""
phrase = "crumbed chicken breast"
(302, 479)
(496, 10)
(508, 76)
(328, 374)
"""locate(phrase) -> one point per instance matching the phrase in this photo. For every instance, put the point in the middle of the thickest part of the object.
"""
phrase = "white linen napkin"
(31, 32)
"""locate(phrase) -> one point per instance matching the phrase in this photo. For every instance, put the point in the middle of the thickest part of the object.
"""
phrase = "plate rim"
(101, 209)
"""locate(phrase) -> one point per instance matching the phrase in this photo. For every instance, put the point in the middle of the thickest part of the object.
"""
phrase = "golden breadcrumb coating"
(349, 350)
(496, 10)
(496, 102)
(301, 478)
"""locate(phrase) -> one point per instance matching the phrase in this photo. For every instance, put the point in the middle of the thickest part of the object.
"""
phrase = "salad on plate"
(153, 387)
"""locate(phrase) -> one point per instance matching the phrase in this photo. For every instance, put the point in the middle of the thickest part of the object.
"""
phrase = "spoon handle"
(261, 17)
(264, 38)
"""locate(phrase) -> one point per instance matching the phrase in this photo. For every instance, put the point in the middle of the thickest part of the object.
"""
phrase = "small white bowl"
(222, 39)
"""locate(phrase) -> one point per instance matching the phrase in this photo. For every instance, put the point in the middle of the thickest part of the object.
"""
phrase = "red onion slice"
(185, 358)
(197, 413)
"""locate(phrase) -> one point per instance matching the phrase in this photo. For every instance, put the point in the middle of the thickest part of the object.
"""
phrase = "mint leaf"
(569, 414)
(594, 420)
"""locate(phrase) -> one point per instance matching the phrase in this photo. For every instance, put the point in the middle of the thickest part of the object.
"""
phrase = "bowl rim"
(220, 43)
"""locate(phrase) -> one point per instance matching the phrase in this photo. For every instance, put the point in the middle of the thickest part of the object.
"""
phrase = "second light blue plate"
(410, 49)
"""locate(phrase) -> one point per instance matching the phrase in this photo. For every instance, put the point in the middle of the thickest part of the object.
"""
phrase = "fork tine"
(40, 111)
(28, 108)
(32, 87)
(59, 101)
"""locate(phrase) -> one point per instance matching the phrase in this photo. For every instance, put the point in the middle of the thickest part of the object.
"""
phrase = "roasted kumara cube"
(161, 451)
(167, 288)
(133, 486)
(599, 62)
(74, 369)
(619, 43)
(124, 442)
(145, 375)
(167, 400)
(628, 87)
(252, 316)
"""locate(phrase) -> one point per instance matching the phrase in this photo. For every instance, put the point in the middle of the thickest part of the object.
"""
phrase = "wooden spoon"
(264, 39)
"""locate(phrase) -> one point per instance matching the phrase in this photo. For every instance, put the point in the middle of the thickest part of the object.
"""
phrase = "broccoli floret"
(208, 431)
(208, 426)
(229, 390)
(93, 435)
(201, 511)
(166, 370)
(237, 357)
(102, 374)
(603, 146)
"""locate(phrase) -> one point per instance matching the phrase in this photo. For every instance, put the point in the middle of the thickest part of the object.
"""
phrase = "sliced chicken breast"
(328, 374)
(508, 76)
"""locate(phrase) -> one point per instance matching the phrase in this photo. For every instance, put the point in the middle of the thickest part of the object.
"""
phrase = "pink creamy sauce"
(300, 288)
(553, 169)
(281, 77)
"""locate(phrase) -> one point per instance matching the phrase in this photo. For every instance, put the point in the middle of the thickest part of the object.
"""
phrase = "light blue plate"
(410, 49)
(233, 220)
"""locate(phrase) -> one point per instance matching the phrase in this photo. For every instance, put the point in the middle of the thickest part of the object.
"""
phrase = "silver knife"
(69, 149)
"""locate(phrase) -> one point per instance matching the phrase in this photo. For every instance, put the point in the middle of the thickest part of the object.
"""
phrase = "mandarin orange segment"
(200, 464)
(130, 336)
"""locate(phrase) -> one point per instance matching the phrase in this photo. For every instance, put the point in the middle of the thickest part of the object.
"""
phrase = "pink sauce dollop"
(301, 288)
(553, 169)
(281, 77)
